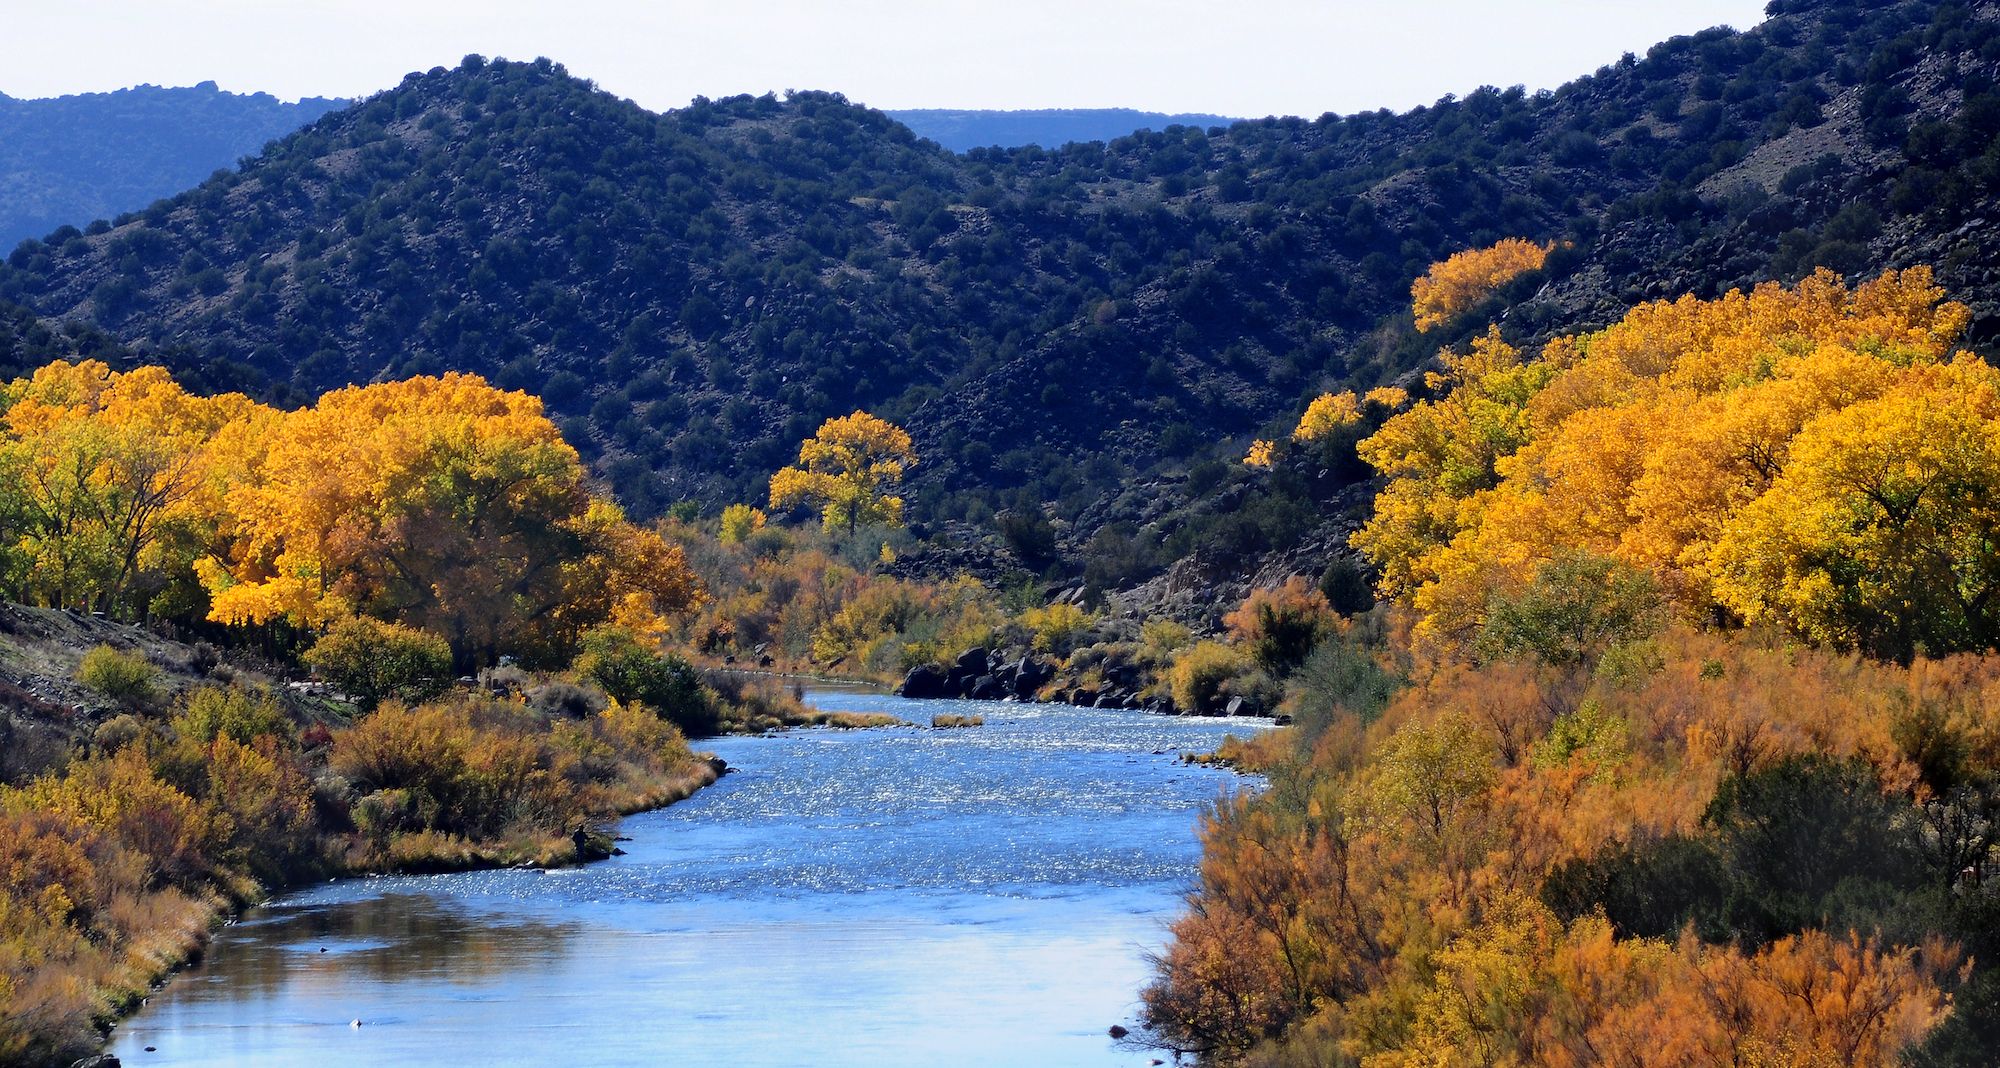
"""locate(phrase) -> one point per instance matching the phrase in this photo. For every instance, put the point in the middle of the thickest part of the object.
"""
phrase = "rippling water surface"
(983, 896)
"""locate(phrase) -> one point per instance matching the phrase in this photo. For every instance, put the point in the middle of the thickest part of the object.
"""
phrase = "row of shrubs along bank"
(155, 787)
(981, 674)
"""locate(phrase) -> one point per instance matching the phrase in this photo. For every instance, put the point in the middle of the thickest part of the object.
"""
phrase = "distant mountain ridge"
(962, 131)
(74, 159)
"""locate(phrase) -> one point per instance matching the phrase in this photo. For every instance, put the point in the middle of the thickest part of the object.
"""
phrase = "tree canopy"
(848, 469)
(438, 502)
(1814, 456)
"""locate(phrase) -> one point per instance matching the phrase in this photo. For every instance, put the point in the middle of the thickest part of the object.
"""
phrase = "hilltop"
(87, 156)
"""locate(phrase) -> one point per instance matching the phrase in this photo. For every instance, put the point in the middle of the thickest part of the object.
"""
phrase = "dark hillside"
(695, 291)
(28, 342)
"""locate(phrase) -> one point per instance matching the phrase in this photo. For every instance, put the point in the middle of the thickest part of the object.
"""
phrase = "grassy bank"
(754, 702)
(181, 802)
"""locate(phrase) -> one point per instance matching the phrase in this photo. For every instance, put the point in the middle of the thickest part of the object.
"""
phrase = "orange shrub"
(1281, 626)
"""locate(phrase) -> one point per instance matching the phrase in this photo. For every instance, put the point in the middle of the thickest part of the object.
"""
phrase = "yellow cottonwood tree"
(1327, 413)
(442, 503)
(1880, 530)
(1454, 285)
(739, 521)
(108, 480)
(1812, 455)
(848, 469)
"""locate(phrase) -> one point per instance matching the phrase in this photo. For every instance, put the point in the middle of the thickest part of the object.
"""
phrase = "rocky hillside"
(45, 713)
(694, 291)
(72, 159)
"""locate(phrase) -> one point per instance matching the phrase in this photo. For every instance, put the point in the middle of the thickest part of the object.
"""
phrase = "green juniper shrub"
(372, 661)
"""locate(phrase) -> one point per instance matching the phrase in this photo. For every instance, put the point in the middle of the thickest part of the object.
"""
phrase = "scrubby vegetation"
(125, 677)
(1662, 755)
(117, 864)
(370, 661)
(387, 538)
(1741, 853)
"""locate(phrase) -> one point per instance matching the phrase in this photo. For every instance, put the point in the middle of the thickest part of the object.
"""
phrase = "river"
(898, 896)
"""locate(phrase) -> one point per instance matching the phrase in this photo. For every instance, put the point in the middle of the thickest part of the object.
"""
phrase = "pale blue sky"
(1249, 58)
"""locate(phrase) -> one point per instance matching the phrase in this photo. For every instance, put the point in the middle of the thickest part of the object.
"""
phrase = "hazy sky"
(1245, 58)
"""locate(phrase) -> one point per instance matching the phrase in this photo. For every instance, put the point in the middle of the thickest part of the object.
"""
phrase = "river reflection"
(394, 938)
(894, 897)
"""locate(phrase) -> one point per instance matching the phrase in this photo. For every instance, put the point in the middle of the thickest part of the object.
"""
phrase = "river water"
(899, 896)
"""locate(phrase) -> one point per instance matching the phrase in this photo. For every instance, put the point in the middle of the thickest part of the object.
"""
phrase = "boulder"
(1029, 675)
(924, 680)
(972, 663)
(102, 1060)
(1241, 706)
(1109, 699)
(1083, 695)
(987, 688)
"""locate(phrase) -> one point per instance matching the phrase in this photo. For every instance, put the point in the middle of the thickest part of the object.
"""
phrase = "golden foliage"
(1811, 456)
(1386, 398)
(1382, 903)
(1057, 628)
(1327, 413)
(848, 468)
(738, 522)
(438, 502)
(1199, 672)
(1453, 286)
(108, 481)
(889, 625)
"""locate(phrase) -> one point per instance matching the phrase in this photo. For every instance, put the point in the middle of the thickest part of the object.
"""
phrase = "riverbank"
(156, 789)
(754, 706)
(183, 939)
(1114, 676)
